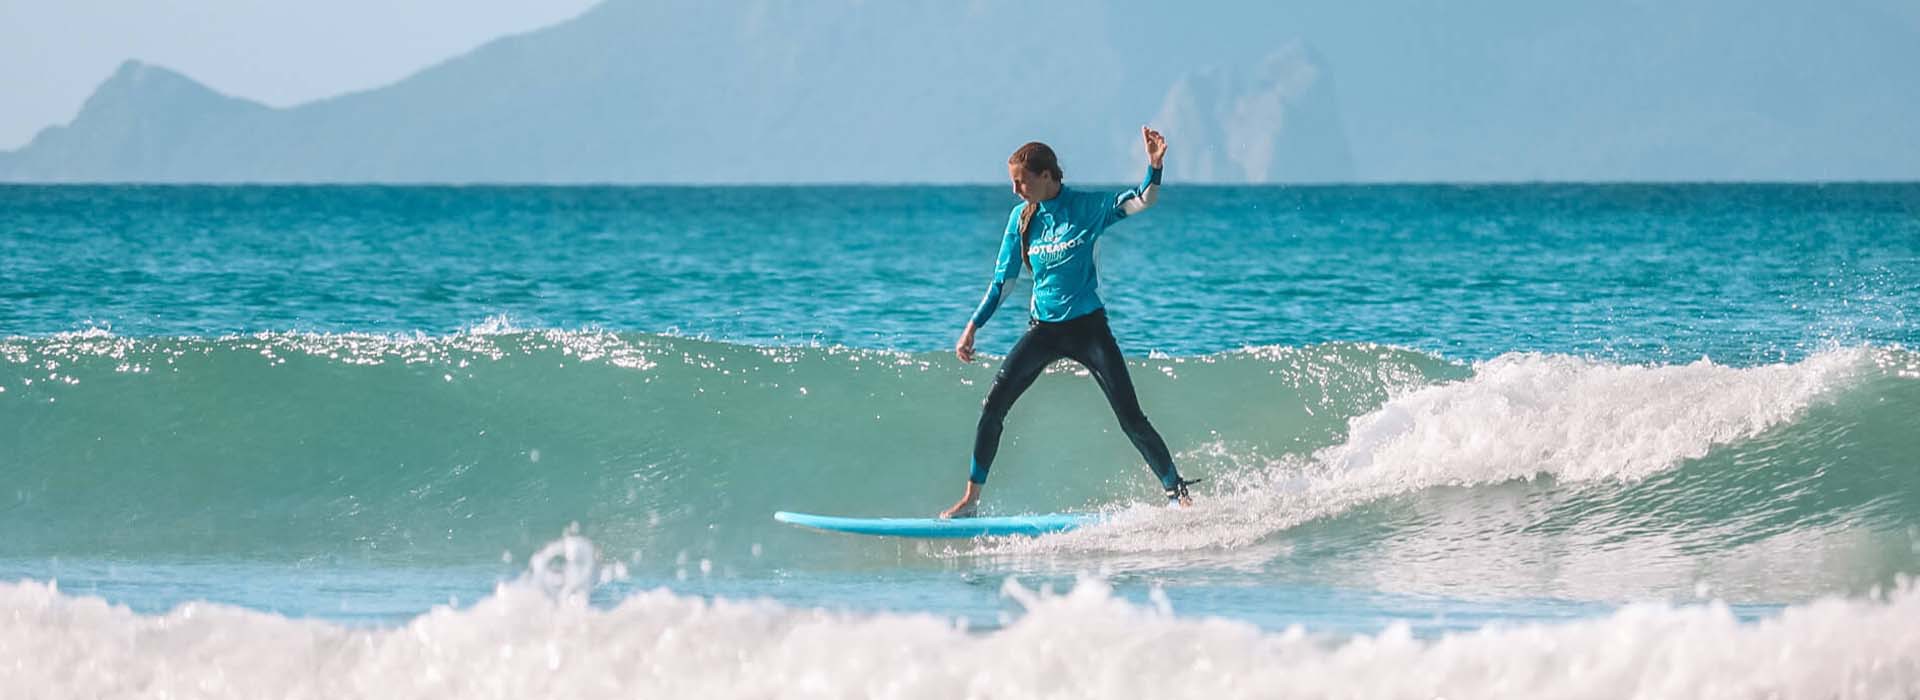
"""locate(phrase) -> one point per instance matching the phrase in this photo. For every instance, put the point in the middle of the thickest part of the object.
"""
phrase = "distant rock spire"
(1275, 121)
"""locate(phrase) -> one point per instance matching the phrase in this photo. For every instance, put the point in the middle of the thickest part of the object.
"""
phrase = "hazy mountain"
(134, 127)
(626, 93)
(940, 91)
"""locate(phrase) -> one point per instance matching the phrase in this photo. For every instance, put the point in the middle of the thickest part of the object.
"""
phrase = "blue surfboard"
(937, 528)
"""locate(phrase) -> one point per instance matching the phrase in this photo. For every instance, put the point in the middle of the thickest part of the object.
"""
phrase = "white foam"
(1526, 415)
(521, 642)
(1520, 416)
(497, 324)
(91, 332)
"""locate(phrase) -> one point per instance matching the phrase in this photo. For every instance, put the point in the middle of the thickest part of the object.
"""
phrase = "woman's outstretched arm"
(1137, 200)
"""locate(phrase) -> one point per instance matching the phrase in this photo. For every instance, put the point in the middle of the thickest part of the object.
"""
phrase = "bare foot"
(1178, 494)
(969, 504)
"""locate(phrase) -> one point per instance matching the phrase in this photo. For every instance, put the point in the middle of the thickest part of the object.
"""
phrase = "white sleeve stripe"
(1135, 205)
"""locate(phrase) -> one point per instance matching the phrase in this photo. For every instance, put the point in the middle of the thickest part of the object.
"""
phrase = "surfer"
(1053, 230)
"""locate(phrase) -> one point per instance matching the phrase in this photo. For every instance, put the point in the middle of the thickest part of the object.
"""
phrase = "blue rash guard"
(1063, 233)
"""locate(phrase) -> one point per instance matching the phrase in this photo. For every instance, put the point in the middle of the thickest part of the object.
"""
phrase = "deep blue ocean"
(1514, 440)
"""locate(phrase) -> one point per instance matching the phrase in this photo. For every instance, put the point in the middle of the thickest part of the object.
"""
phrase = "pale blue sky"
(53, 53)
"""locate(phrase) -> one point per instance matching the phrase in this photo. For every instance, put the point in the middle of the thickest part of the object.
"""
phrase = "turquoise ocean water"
(1506, 440)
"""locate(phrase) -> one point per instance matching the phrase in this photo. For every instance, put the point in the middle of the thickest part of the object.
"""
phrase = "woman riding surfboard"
(1053, 231)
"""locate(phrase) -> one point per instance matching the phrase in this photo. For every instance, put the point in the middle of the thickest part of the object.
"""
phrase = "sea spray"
(1551, 475)
(525, 641)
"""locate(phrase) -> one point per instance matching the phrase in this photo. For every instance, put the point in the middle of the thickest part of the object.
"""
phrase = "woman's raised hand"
(1156, 145)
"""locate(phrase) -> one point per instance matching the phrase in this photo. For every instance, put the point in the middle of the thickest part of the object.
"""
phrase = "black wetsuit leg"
(1093, 346)
(1089, 341)
(1029, 357)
